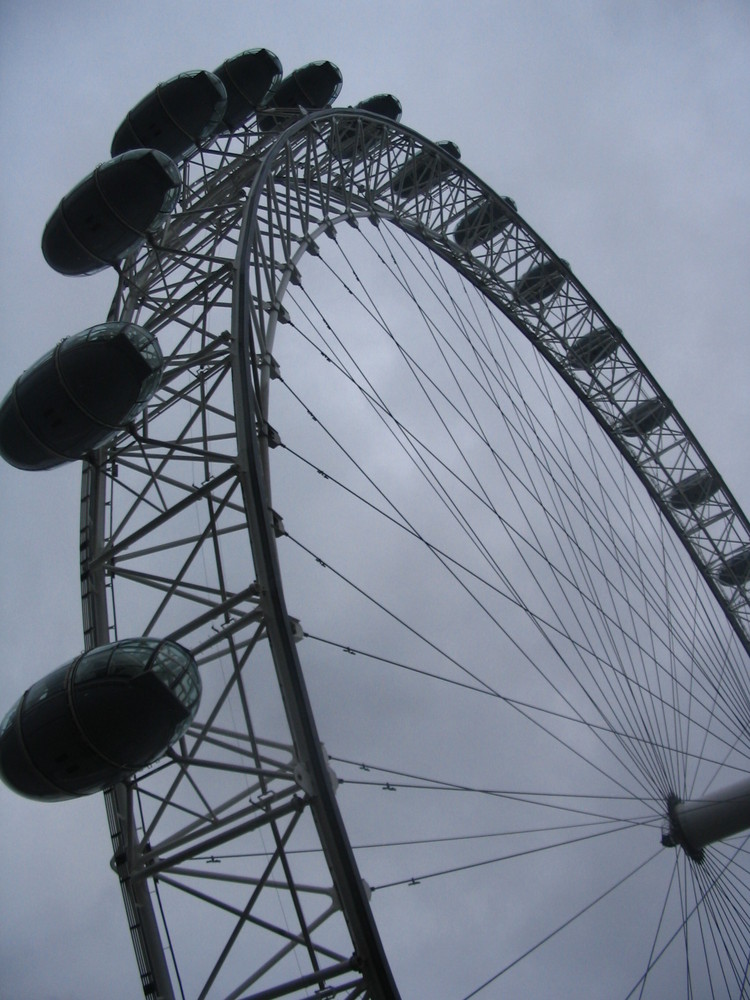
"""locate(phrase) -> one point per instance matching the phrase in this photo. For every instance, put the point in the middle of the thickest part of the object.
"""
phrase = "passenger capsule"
(311, 88)
(385, 105)
(589, 350)
(643, 418)
(483, 223)
(736, 568)
(107, 215)
(693, 490)
(424, 170)
(249, 79)
(175, 118)
(98, 719)
(540, 281)
(353, 137)
(79, 395)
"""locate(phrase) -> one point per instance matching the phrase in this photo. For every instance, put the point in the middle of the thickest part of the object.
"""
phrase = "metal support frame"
(331, 189)
(308, 747)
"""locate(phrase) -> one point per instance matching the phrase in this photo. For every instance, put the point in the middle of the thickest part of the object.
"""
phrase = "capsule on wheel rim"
(693, 490)
(643, 418)
(591, 349)
(425, 170)
(483, 222)
(735, 571)
(250, 79)
(98, 719)
(79, 395)
(352, 137)
(177, 117)
(311, 87)
(109, 213)
(541, 281)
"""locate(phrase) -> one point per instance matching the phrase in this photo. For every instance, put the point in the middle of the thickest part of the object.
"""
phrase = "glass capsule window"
(148, 347)
(142, 341)
(124, 659)
(53, 683)
(170, 179)
(31, 371)
(174, 667)
(93, 664)
(7, 719)
(146, 344)
(211, 82)
(177, 671)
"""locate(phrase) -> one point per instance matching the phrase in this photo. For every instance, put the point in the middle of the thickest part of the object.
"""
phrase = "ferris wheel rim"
(300, 127)
(709, 554)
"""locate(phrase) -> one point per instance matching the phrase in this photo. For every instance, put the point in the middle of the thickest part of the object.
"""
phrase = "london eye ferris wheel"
(416, 619)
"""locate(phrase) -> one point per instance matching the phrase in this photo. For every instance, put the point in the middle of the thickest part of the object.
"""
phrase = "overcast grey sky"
(621, 129)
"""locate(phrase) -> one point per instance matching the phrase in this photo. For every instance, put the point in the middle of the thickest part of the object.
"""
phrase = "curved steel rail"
(664, 455)
(327, 168)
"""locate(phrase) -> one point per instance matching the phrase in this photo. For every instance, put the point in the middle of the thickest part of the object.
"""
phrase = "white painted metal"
(182, 288)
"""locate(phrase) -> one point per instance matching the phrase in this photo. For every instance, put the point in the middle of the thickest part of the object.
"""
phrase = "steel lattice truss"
(166, 550)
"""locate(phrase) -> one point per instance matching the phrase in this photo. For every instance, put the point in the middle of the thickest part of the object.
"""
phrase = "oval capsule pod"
(79, 395)
(693, 490)
(592, 348)
(98, 719)
(356, 137)
(482, 223)
(176, 117)
(540, 281)
(108, 215)
(736, 568)
(385, 105)
(643, 418)
(249, 79)
(425, 170)
(311, 88)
